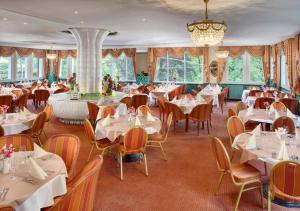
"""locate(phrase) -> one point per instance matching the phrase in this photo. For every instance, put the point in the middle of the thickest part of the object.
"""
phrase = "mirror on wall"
(213, 67)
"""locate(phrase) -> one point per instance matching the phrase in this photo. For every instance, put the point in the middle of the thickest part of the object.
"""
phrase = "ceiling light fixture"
(5, 19)
(207, 32)
(25, 23)
(75, 12)
(51, 56)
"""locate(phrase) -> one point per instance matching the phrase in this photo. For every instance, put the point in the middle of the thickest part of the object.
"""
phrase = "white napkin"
(283, 154)
(200, 98)
(106, 121)
(150, 130)
(286, 96)
(117, 114)
(257, 130)
(150, 117)
(137, 122)
(38, 151)
(290, 114)
(277, 115)
(251, 144)
(250, 111)
(262, 95)
(35, 170)
(122, 108)
(193, 103)
(26, 111)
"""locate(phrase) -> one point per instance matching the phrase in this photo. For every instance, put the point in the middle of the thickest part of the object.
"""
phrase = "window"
(5, 68)
(37, 68)
(74, 65)
(22, 67)
(186, 69)
(284, 81)
(271, 68)
(120, 68)
(63, 73)
(235, 69)
(256, 70)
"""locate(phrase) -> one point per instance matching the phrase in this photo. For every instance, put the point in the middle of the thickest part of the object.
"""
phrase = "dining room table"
(20, 189)
(162, 90)
(188, 104)
(212, 91)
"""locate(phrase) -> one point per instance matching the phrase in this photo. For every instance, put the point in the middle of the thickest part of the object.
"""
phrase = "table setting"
(213, 91)
(162, 90)
(188, 104)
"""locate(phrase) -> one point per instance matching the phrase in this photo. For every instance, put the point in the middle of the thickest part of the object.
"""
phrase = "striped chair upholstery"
(144, 110)
(67, 147)
(231, 112)
(177, 114)
(201, 113)
(134, 92)
(138, 100)
(82, 190)
(108, 110)
(37, 127)
(279, 106)
(284, 121)
(6, 208)
(49, 112)
(141, 89)
(172, 94)
(194, 93)
(291, 103)
(127, 101)
(284, 182)
(41, 95)
(19, 86)
(6, 100)
(1, 131)
(259, 102)
(283, 95)
(235, 127)
(18, 141)
(93, 111)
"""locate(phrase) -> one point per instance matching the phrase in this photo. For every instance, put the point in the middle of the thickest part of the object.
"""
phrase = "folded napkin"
(106, 121)
(117, 114)
(277, 115)
(193, 103)
(290, 114)
(137, 122)
(122, 108)
(38, 151)
(286, 96)
(35, 170)
(251, 144)
(250, 111)
(283, 153)
(262, 95)
(257, 130)
(150, 117)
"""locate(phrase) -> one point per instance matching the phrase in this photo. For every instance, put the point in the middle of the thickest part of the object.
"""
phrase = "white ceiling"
(144, 23)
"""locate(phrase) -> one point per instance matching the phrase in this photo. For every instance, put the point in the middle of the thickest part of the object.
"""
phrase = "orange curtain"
(221, 69)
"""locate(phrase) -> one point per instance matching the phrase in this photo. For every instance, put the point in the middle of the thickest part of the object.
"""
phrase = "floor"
(185, 182)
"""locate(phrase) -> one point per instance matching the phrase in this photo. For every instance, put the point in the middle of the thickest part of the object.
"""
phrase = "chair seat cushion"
(244, 172)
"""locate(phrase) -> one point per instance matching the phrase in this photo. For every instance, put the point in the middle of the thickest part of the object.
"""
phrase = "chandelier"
(206, 32)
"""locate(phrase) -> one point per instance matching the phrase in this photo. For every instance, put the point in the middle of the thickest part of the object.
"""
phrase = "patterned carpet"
(185, 182)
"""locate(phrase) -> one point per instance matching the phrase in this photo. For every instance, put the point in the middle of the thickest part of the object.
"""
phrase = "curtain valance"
(65, 53)
(129, 52)
(23, 52)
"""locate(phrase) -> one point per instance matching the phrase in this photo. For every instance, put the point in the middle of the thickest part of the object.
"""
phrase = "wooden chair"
(141, 88)
(108, 110)
(20, 86)
(177, 114)
(6, 208)
(235, 127)
(284, 122)
(101, 145)
(17, 92)
(60, 90)
(284, 182)
(6, 100)
(194, 93)
(162, 107)
(49, 112)
(133, 142)
(253, 93)
(93, 112)
(19, 142)
(21, 102)
(199, 88)
(278, 106)
(138, 100)
(201, 113)
(221, 98)
(159, 139)
(37, 127)
(82, 189)
(243, 175)
(127, 101)
(284, 95)
(231, 112)
(67, 147)
(1, 131)
(260, 102)
(291, 103)
(144, 110)
(239, 106)
(41, 95)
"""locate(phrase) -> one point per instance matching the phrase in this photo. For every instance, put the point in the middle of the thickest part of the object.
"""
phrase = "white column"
(89, 56)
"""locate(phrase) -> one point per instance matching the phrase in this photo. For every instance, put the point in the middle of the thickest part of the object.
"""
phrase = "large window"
(37, 67)
(235, 69)
(63, 68)
(67, 67)
(186, 69)
(22, 67)
(5, 68)
(120, 68)
(256, 70)
(284, 81)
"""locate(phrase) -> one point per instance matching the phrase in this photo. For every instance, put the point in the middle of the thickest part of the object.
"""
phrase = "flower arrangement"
(107, 85)
(4, 109)
(7, 152)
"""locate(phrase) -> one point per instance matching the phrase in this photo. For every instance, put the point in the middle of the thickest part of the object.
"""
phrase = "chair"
(37, 127)
(20, 86)
(138, 100)
(291, 103)
(102, 145)
(41, 95)
(194, 93)
(82, 189)
(231, 112)
(144, 110)
(17, 92)
(162, 107)
(60, 90)
(1, 131)
(177, 114)
(93, 112)
(6, 100)
(242, 175)
(235, 127)
(134, 92)
(20, 142)
(133, 142)
(284, 182)
(67, 147)
(253, 93)
(221, 98)
(285, 122)
(199, 88)
(159, 139)
(284, 95)
(49, 112)
(239, 106)
(6, 208)
(260, 102)
(108, 110)
(279, 106)
(201, 113)
(226, 92)
(127, 101)
(141, 88)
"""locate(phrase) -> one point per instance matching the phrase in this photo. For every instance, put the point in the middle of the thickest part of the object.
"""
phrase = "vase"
(6, 165)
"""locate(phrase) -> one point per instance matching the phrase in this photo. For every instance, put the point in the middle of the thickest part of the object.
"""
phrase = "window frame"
(10, 75)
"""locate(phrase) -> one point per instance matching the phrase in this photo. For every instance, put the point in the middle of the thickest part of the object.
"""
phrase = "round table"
(187, 105)
(34, 194)
(15, 123)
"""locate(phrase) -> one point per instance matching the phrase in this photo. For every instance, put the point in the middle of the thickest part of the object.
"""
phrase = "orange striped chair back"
(290, 103)
(201, 112)
(141, 89)
(1, 131)
(199, 88)
(93, 111)
(144, 110)
(82, 190)
(89, 131)
(6, 208)
(48, 111)
(177, 112)
(6, 100)
(226, 92)
(260, 102)
(240, 106)
(127, 101)
(235, 127)
(268, 94)
(284, 122)
(231, 112)
(19, 142)
(284, 181)
(134, 141)
(41, 95)
(38, 123)
(108, 110)
(67, 147)
(161, 103)
(194, 93)
(138, 100)
(221, 155)
(279, 106)
(19, 86)
(172, 94)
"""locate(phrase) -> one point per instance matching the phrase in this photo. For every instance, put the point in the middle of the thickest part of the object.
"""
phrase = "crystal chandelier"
(206, 32)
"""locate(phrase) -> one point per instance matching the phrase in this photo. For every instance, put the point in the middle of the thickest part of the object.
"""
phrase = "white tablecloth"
(162, 90)
(245, 95)
(20, 123)
(187, 105)
(212, 91)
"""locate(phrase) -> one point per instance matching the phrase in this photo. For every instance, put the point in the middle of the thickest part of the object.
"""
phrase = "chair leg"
(198, 128)
(39, 140)
(121, 165)
(91, 151)
(261, 196)
(163, 151)
(207, 126)
(269, 200)
(145, 160)
(266, 169)
(239, 198)
(219, 183)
